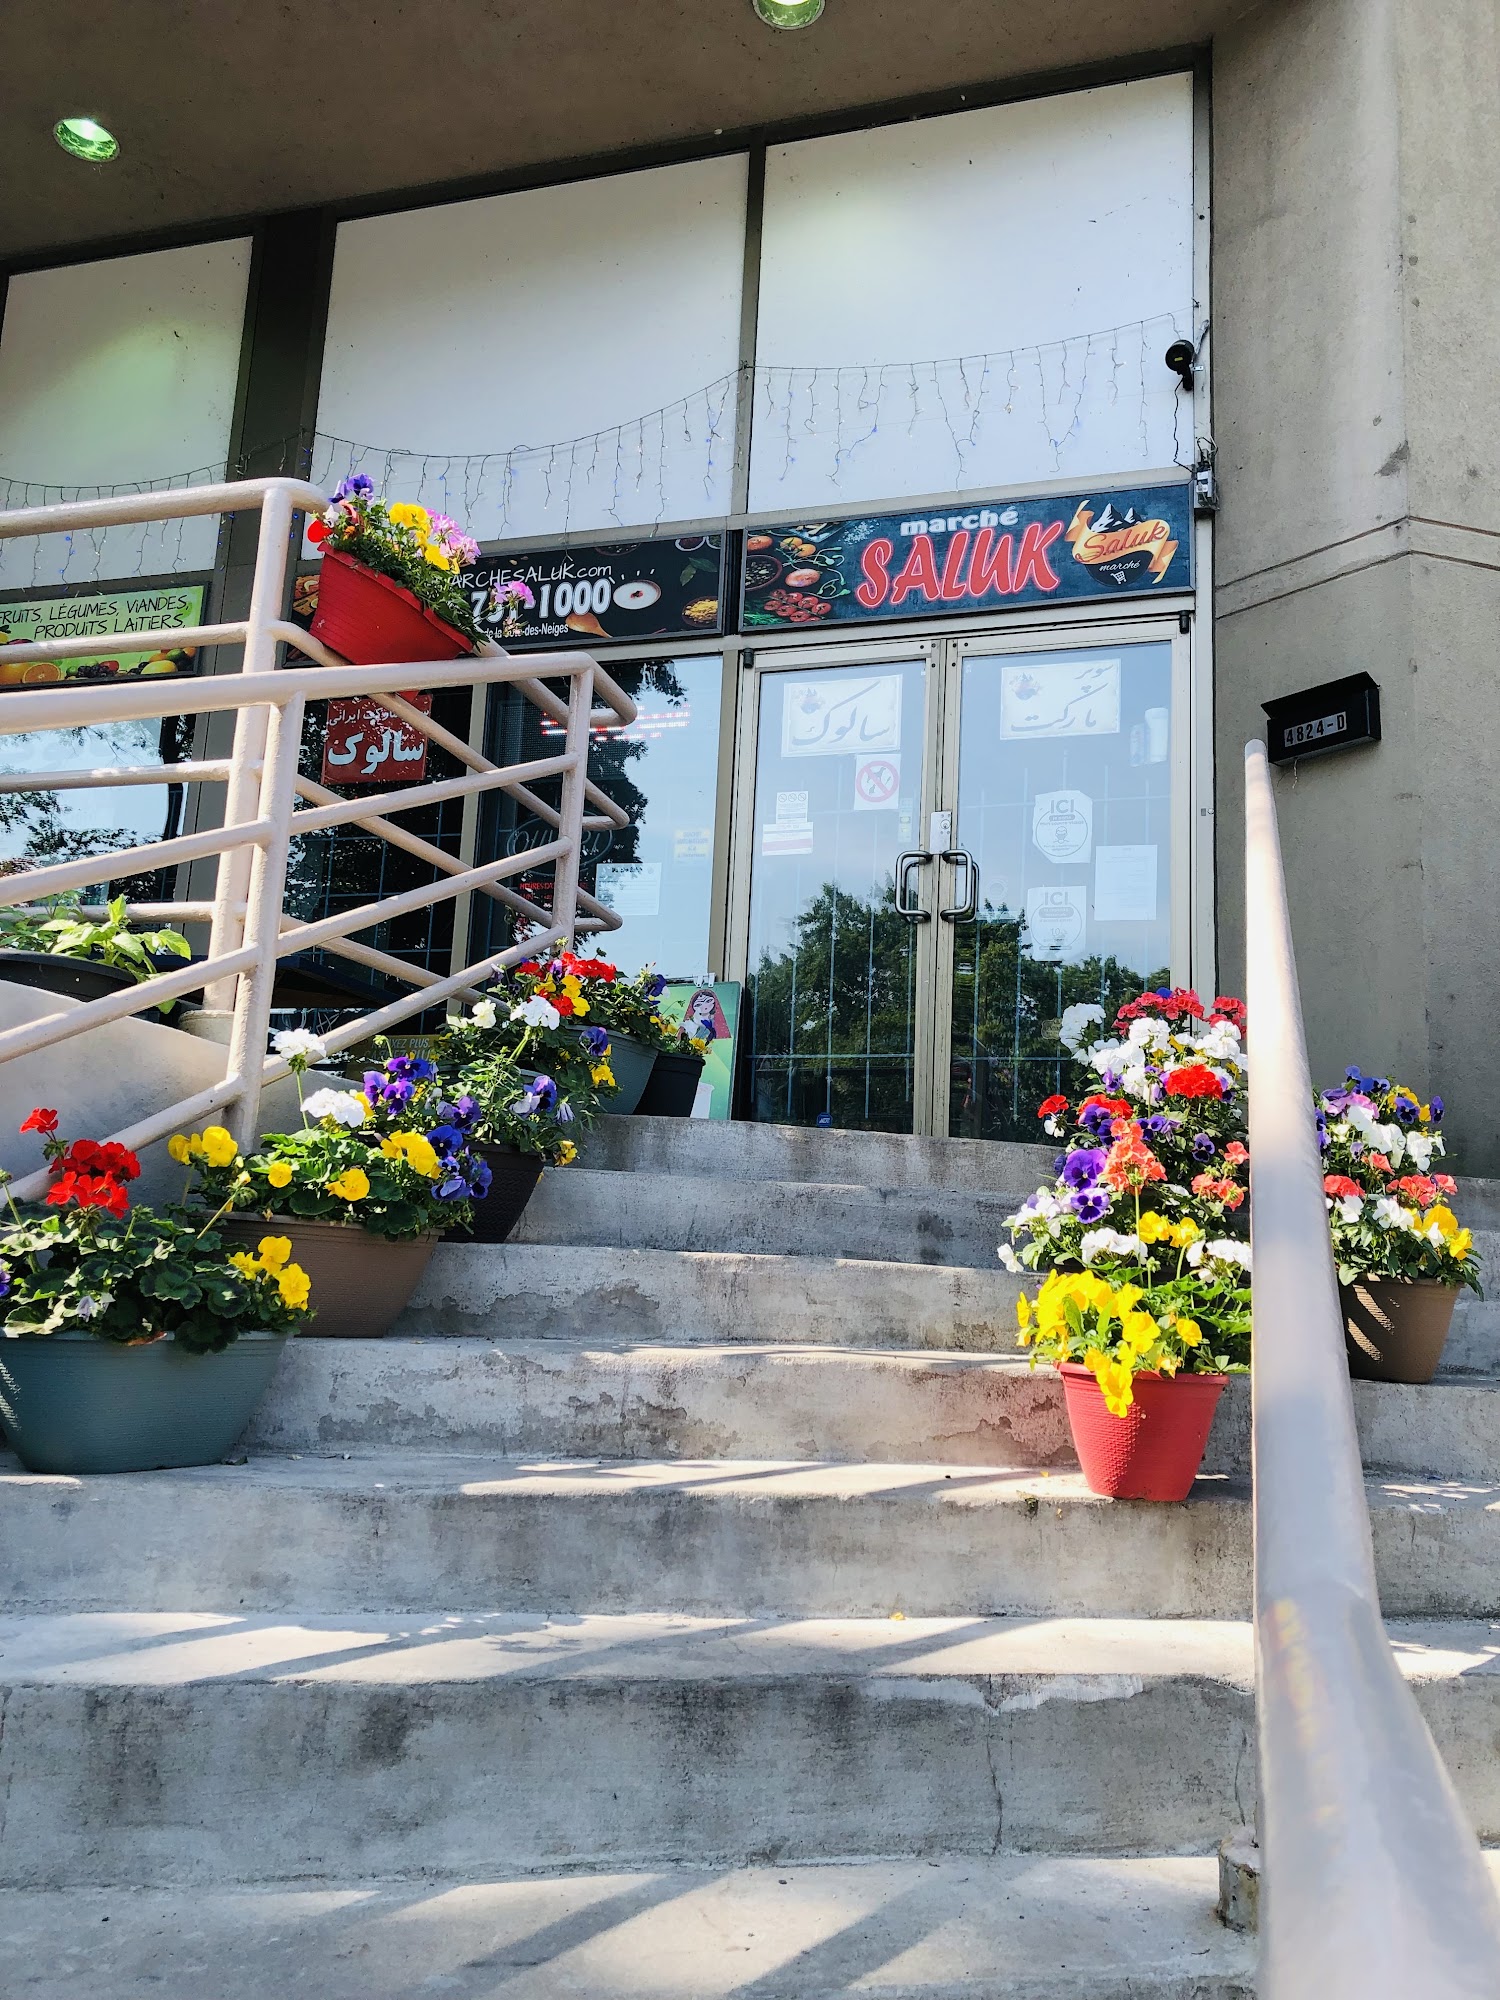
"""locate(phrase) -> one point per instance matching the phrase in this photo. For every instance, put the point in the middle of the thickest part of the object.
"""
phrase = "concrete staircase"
(696, 1597)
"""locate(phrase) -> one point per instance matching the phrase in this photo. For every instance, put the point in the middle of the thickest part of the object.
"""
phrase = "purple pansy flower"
(1203, 1146)
(1084, 1167)
(1090, 1204)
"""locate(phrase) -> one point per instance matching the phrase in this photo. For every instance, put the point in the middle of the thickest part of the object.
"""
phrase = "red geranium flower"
(1207, 1188)
(89, 1156)
(1380, 1163)
(318, 533)
(1422, 1190)
(41, 1121)
(1340, 1184)
(1050, 1106)
(1117, 1107)
(1194, 1080)
(1131, 1163)
(1446, 1182)
(1234, 1152)
(562, 1003)
(1227, 1009)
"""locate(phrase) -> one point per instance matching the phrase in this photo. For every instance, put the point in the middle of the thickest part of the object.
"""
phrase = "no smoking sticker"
(877, 780)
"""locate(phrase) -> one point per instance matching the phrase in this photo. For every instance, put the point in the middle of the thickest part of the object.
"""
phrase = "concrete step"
(984, 1928)
(406, 1534)
(792, 1218)
(544, 1291)
(158, 1749)
(704, 1148)
(590, 1399)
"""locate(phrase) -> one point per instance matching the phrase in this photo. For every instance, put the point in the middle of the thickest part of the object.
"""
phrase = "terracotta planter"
(372, 621)
(673, 1086)
(83, 979)
(360, 1282)
(1154, 1451)
(513, 1179)
(1395, 1328)
(74, 1403)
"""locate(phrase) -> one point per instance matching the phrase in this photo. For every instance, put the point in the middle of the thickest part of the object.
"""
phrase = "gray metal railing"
(1374, 1884)
(249, 929)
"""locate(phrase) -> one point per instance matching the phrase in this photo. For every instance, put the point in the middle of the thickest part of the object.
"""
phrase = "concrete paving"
(983, 1928)
(531, 1291)
(595, 1399)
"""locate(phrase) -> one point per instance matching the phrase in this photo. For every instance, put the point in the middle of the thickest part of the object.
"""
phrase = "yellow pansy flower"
(179, 1150)
(580, 1008)
(437, 555)
(415, 1150)
(602, 1073)
(572, 985)
(406, 514)
(1184, 1233)
(1445, 1219)
(1153, 1228)
(1023, 1310)
(1460, 1243)
(1188, 1332)
(274, 1251)
(294, 1286)
(243, 1261)
(353, 1184)
(567, 1153)
(217, 1147)
(279, 1173)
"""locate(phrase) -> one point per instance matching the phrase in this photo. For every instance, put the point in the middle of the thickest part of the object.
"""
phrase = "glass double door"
(944, 845)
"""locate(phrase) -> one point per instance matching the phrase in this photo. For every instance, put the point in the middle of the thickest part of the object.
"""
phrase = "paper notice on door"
(1060, 698)
(1056, 922)
(877, 781)
(1125, 885)
(1062, 825)
(791, 809)
(692, 843)
(629, 888)
(841, 713)
(785, 837)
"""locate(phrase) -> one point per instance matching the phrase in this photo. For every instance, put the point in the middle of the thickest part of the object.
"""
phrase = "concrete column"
(1355, 253)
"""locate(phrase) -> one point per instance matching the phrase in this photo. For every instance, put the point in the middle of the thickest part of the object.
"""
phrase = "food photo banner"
(622, 591)
(1131, 542)
(110, 616)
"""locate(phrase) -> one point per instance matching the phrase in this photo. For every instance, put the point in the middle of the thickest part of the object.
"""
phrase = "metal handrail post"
(252, 1007)
(250, 729)
(1375, 1887)
(571, 806)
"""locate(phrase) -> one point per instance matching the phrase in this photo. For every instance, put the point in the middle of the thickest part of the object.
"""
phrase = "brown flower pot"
(513, 1179)
(1395, 1328)
(360, 1282)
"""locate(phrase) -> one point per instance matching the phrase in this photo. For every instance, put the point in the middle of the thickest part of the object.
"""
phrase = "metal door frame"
(1008, 643)
(942, 656)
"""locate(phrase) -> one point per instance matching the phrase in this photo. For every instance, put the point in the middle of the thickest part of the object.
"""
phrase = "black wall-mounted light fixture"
(1181, 358)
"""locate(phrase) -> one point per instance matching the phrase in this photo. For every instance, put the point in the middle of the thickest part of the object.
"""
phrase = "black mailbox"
(1335, 716)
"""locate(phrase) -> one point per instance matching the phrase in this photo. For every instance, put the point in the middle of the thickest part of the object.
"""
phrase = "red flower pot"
(373, 622)
(1151, 1453)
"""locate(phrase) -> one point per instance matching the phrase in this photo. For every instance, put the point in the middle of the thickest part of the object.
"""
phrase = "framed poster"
(669, 589)
(110, 616)
(710, 1010)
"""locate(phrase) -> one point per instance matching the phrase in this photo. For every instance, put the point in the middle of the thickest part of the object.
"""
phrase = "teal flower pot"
(70, 1402)
(631, 1063)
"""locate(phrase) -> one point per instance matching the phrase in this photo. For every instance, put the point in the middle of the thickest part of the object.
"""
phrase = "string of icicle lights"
(817, 433)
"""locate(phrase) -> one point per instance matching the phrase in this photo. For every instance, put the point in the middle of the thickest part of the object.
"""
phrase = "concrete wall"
(1355, 253)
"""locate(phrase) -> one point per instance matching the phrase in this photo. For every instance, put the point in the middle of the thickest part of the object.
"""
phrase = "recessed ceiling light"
(789, 13)
(86, 139)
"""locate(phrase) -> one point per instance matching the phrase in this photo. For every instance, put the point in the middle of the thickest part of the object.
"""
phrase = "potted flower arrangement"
(1399, 1248)
(389, 587)
(64, 951)
(646, 1046)
(581, 1020)
(517, 1121)
(131, 1340)
(1147, 1307)
(363, 1189)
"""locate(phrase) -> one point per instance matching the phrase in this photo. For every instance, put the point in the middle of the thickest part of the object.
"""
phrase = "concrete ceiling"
(228, 108)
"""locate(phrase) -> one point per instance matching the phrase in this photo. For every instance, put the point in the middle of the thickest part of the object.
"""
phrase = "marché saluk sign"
(994, 556)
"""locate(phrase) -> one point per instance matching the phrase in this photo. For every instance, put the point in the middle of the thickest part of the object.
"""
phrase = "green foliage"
(68, 933)
(133, 1278)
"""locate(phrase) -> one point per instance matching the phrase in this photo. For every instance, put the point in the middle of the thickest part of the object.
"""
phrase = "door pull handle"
(905, 863)
(962, 912)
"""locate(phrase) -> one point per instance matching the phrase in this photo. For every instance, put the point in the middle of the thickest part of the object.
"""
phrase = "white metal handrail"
(249, 927)
(1375, 1887)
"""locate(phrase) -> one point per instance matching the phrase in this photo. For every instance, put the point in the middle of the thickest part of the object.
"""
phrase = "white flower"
(1221, 1043)
(484, 1015)
(345, 1107)
(1008, 1258)
(1351, 1207)
(1106, 1056)
(298, 1042)
(1419, 1148)
(538, 1012)
(1076, 1023)
(1044, 1202)
(1391, 1214)
(1112, 1242)
(1148, 1034)
(1053, 1128)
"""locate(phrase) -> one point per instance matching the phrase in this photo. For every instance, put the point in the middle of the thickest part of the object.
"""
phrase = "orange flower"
(1131, 1163)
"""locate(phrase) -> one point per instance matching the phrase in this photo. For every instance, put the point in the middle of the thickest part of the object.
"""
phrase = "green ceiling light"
(789, 13)
(86, 139)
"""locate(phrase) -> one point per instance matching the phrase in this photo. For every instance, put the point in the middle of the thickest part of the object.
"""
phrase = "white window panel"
(975, 301)
(117, 375)
(557, 359)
